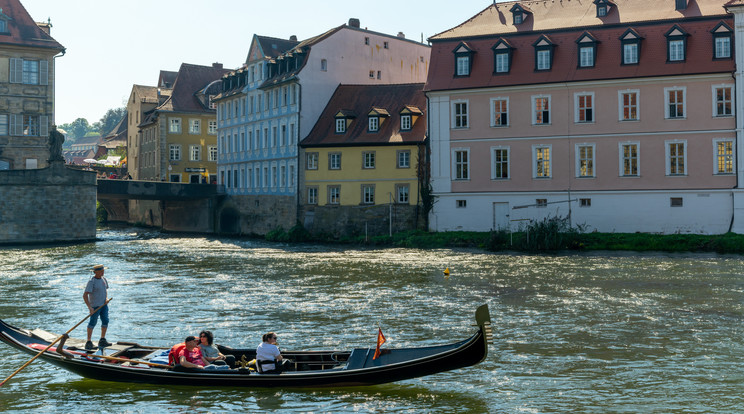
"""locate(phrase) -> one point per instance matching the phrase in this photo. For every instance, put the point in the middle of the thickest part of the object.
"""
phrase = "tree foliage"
(80, 127)
(109, 120)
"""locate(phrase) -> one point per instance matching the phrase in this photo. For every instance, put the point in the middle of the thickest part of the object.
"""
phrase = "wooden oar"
(133, 361)
(50, 345)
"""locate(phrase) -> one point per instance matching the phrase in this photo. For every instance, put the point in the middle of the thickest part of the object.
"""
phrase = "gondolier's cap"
(98, 267)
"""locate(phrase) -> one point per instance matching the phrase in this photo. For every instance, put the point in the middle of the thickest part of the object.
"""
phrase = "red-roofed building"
(26, 87)
(366, 150)
(617, 115)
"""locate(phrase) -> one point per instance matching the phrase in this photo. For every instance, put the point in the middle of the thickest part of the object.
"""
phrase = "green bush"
(101, 214)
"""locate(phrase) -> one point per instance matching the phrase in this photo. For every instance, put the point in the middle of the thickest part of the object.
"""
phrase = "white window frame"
(728, 160)
(212, 128)
(334, 160)
(592, 159)
(340, 125)
(586, 56)
(463, 65)
(621, 107)
(212, 153)
(405, 122)
(668, 103)
(369, 160)
(403, 158)
(311, 161)
(578, 108)
(535, 111)
(459, 116)
(368, 194)
(402, 193)
(676, 50)
(722, 45)
(195, 152)
(543, 59)
(312, 195)
(493, 111)
(730, 101)
(334, 194)
(194, 126)
(458, 163)
(668, 157)
(494, 162)
(374, 123)
(174, 152)
(630, 53)
(502, 62)
(174, 125)
(621, 158)
(535, 150)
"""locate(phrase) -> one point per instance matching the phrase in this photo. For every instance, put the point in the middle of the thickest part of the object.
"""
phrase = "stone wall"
(49, 205)
(353, 221)
(257, 214)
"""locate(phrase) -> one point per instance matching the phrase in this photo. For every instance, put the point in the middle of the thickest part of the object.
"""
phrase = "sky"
(114, 44)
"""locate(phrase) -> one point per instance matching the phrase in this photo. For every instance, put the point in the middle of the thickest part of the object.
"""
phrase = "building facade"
(269, 105)
(177, 140)
(619, 116)
(27, 58)
(363, 161)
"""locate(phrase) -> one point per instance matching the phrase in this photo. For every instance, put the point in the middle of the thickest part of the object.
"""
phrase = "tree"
(109, 121)
(76, 129)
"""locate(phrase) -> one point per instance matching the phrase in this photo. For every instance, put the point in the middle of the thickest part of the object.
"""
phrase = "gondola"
(131, 362)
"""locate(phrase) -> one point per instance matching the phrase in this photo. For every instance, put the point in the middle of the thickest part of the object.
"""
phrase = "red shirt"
(194, 356)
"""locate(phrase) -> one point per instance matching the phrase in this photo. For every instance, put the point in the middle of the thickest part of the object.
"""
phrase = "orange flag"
(380, 340)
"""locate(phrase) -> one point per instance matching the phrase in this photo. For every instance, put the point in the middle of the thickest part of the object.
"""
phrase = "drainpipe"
(299, 138)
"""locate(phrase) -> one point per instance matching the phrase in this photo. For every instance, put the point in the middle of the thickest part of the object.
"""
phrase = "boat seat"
(357, 358)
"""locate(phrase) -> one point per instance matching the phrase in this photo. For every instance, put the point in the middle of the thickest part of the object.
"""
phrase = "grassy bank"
(548, 235)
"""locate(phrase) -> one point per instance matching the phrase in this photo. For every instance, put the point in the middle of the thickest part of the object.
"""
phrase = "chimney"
(217, 65)
(46, 27)
(680, 4)
(401, 35)
(293, 38)
(354, 22)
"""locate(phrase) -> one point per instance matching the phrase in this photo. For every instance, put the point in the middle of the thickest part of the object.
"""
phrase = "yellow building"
(27, 57)
(178, 139)
(363, 161)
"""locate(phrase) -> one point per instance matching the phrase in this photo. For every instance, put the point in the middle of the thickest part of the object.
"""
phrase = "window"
(631, 47)
(461, 203)
(541, 202)
(629, 159)
(404, 158)
(676, 43)
(463, 59)
(543, 53)
(402, 193)
(174, 125)
(585, 160)
(519, 14)
(334, 194)
(30, 72)
(587, 45)
(500, 163)
(675, 102)
(724, 156)
(340, 125)
(585, 202)
(584, 102)
(371, 74)
(368, 159)
(334, 161)
(212, 153)
(175, 178)
(630, 53)
(722, 34)
(312, 161)
(499, 112)
(175, 152)
(542, 165)
(502, 52)
(194, 126)
(366, 40)
(460, 114)
(312, 195)
(31, 125)
(368, 194)
(601, 10)
(3, 29)
(212, 128)
(722, 101)
(676, 155)
(675, 202)
(405, 122)
(462, 164)
(541, 110)
(628, 105)
(374, 123)
(195, 152)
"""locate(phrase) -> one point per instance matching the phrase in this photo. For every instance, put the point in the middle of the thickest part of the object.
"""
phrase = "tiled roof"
(120, 128)
(166, 79)
(190, 80)
(22, 30)
(496, 19)
(273, 47)
(147, 93)
(360, 100)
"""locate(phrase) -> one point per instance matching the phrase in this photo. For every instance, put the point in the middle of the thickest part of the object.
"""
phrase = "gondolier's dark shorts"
(104, 317)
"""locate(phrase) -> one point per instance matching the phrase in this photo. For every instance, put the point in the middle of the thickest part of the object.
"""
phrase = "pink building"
(617, 114)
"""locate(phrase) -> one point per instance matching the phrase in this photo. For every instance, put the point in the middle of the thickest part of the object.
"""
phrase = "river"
(580, 333)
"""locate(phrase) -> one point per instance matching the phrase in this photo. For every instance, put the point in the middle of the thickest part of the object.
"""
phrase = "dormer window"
(680, 4)
(676, 44)
(375, 119)
(631, 47)
(722, 34)
(342, 120)
(502, 53)
(603, 7)
(463, 59)
(408, 116)
(543, 53)
(519, 14)
(587, 45)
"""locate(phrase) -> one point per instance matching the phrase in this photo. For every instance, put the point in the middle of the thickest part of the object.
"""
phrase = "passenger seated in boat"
(190, 356)
(210, 352)
(268, 354)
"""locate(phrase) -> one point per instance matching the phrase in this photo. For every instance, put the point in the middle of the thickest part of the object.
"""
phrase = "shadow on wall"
(229, 221)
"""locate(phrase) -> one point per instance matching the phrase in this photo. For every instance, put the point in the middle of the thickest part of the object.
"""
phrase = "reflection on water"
(573, 333)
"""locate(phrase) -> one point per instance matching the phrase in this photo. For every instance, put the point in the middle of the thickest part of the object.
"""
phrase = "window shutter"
(43, 126)
(16, 70)
(43, 72)
(14, 127)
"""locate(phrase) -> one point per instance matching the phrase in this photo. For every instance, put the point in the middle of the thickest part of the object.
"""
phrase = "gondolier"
(94, 296)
